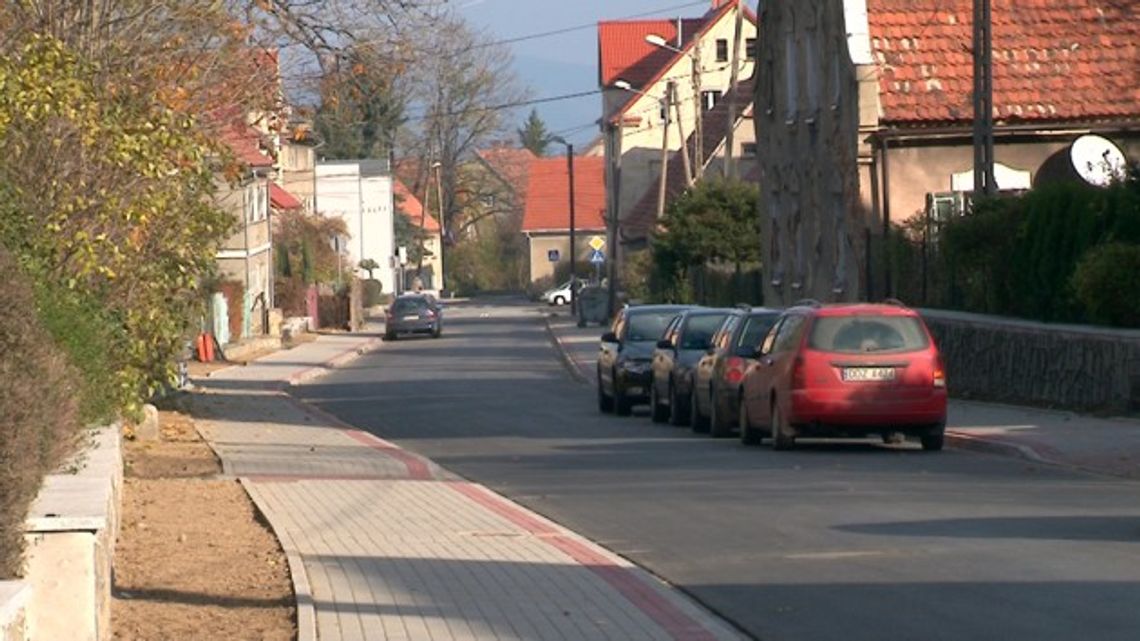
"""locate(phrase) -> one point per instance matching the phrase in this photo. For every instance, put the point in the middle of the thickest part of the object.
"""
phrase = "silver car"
(413, 314)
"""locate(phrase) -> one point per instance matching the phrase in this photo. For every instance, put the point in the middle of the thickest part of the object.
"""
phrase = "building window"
(748, 150)
(750, 48)
(710, 98)
(721, 50)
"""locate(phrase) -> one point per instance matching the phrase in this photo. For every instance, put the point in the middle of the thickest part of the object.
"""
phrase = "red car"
(845, 371)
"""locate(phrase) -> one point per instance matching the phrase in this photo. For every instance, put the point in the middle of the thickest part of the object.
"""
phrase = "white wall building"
(360, 193)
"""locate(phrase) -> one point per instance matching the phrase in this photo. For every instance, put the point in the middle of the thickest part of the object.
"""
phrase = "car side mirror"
(664, 344)
(610, 337)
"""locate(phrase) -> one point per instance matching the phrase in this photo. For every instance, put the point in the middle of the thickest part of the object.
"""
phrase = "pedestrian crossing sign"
(597, 257)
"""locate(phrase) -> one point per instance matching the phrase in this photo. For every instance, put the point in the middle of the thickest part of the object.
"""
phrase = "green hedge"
(39, 403)
(1018, 255)
(1106, 283)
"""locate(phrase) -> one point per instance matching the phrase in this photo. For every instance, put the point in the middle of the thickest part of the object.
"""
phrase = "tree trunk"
(807, 120)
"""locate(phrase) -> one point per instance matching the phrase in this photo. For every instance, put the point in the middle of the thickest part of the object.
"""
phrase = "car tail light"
(939, 374)
(734, 370)
(799, 379)
(430, 314)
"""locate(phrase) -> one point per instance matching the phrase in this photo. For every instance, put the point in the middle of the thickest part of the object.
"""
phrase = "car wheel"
(748, 436)
(698, 422)
(390, 336)
(678, 413)
(605, 401)
(623, 406)
(658, 413)
(782, 439)
(933, 440)
(558, 300)
(717, 428)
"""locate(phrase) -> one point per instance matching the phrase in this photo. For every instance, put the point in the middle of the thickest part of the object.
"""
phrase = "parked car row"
(811, 370)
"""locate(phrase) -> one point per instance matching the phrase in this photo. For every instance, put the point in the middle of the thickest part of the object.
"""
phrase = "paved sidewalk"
(303, 362)
(1103, 446)
(384, 544)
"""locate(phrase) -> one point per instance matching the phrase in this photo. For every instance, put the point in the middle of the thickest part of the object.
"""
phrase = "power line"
(508, 105)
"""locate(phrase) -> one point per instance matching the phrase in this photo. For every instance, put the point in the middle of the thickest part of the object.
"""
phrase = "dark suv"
(626, 353)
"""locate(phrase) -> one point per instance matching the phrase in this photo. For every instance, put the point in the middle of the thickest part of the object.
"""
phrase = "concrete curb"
(341, 359)
(572, 367)
(963, 441)
(298, 576)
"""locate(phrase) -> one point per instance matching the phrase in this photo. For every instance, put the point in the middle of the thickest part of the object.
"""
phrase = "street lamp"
(573, 254)
(437, 168)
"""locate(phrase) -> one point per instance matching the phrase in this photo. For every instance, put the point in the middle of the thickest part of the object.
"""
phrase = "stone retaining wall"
(71, 532)
(1073, 367)
(13, 610)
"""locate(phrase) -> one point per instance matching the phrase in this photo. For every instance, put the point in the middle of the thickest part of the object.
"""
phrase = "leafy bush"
(1017, 255)
(373, 292)
(1106, 284)
(41, 416)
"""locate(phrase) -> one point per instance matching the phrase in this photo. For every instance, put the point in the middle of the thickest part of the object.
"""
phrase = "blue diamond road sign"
(597, 257)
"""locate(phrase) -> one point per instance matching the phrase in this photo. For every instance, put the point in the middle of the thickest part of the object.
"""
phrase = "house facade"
(429, 270)
(1051, 87)
(689, 67)
(546, 218)
(360, 192)
(247, 255)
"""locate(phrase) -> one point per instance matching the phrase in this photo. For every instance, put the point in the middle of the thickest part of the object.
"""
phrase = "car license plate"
(857, 374)
(412, 317)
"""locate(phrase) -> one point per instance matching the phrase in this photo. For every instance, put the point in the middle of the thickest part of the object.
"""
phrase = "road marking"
(836, 555)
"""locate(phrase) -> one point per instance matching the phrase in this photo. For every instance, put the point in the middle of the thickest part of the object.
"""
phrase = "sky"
(568, 62)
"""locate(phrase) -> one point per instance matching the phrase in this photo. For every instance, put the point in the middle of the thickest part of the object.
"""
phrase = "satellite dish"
(1097, 160)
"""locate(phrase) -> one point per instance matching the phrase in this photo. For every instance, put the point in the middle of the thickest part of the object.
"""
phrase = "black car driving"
(626, 352)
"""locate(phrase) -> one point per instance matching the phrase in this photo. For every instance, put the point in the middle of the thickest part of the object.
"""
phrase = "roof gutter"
(947, 132)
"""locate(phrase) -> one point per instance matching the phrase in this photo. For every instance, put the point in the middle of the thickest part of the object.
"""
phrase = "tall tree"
(533, 134)
(361, 107)
(466, 87)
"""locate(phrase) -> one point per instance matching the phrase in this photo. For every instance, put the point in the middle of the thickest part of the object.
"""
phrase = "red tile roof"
(245, 143)
(1054, 60)
(548, 198)
(281, 199)
(623, 53)
(413, 208)
(624, 41)
(511, 164)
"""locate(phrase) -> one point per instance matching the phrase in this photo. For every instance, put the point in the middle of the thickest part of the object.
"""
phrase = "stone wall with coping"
(13, 610)
(1072, 367)
(71, 532)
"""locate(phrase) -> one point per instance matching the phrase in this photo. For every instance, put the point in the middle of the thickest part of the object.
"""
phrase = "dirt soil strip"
(195, 560)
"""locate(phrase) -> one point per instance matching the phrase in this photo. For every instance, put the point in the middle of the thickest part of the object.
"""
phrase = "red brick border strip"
(666, 614)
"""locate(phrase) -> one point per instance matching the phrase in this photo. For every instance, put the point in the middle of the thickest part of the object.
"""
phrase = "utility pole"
(665, 150)
(573, 252)
(438, 166)
(984, 182)
(671, 94)
(698, 132)
(733, 78)
(613, 190)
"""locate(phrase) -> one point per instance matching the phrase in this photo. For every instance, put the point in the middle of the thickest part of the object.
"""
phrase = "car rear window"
(407, 305)
(648, 326)
(755, 329)
(867, 333)
(699, 332)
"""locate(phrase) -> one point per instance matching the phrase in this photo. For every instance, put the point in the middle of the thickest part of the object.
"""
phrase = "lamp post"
(573, 254)
(437, 167)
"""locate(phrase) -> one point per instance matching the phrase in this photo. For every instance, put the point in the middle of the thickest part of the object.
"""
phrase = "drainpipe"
(888, 288)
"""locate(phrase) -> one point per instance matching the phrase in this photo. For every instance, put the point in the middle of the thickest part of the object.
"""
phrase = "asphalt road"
(852, 540)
